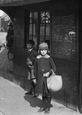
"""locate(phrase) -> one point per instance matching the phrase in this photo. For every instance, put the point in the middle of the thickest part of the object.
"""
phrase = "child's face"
(43, 52)
(29, 46)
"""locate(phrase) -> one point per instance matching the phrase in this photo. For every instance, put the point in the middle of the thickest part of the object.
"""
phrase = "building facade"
(55, 21)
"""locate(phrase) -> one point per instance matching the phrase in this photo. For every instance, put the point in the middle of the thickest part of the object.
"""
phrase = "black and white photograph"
(40, 57)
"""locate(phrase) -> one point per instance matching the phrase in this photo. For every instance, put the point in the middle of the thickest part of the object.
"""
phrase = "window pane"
(47, 29)
(42, 28)
(35, 40)
(33, 29)
(41, 39)
(30, 29)
(36, 15)
(31, 17)
(45, 17)
(30, 37)
(47, 37)
(30, 14)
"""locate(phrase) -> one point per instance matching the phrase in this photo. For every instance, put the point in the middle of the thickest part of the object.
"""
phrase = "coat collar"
(40, 56)
(30, 50)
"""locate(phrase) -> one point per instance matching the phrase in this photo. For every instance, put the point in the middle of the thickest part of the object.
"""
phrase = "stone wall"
(19, 52)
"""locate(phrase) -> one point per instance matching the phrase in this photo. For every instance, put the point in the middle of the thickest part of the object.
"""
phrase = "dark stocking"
(44, 101)
(33, 87)
(48, 102)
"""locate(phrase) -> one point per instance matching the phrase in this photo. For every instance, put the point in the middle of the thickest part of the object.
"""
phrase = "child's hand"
(34, 80)
(46, 74)
(30, 66)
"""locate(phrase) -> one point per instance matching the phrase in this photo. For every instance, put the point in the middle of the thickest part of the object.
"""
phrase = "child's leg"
(44, 98)
(43, 104)
(47, 110)
(48, 102)
(29, 78)
(30, 91)
(35, 94)
(33, 87)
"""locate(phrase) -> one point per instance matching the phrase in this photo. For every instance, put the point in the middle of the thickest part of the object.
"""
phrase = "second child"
(32, 53)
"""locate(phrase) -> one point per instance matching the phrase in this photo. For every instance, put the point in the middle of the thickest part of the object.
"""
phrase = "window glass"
(30, 29)
(33, 23)
(45, 26)
(30, 37)
(35, 15)
(31, 17)
(47, 29)
(39, 26)
(34, 32)
(42, 28)
(45, 17)
(41, 39)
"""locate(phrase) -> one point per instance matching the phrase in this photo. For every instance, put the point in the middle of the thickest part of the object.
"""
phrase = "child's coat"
(30, 61)
(42, 65)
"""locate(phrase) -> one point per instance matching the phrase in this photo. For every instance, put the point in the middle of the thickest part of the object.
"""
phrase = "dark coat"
(31, 55)
(42, 65)
(30, 60)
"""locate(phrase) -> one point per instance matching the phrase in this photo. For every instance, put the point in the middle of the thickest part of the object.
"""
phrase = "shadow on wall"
(68, 94)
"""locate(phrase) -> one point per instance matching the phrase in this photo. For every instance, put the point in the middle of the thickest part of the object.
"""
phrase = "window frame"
(38, 35)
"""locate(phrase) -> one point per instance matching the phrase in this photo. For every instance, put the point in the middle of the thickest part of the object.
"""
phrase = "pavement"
(13, 100)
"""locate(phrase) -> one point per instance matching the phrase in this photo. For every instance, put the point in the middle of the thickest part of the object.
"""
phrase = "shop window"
(39, 26)
(44, 26)
(33, 25)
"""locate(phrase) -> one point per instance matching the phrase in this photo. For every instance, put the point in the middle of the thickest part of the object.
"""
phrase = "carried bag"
(54, 82)
(29, 62)
(32, 73)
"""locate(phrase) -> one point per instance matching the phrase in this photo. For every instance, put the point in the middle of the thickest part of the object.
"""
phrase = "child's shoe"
(35, 95)
(41, 109)
(28, 93)
(47, 111)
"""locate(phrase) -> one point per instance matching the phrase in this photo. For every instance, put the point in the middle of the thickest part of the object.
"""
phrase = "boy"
(32, 53)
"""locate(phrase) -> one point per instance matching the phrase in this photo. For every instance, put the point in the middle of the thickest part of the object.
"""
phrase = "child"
(32, 53)
(42, 68)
